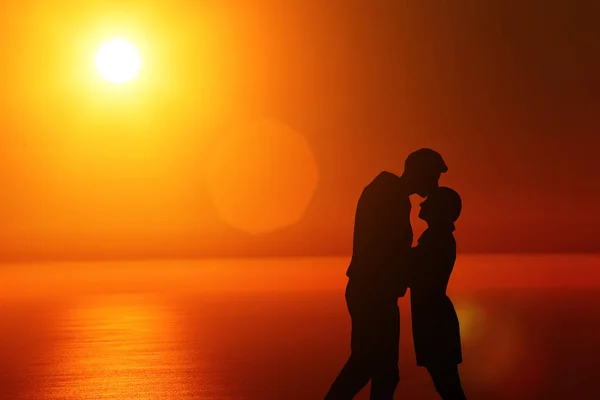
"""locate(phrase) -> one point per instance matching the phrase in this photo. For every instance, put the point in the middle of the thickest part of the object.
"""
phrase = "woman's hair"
(446, 202)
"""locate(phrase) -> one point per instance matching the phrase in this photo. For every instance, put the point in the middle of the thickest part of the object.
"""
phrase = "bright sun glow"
(118, 61)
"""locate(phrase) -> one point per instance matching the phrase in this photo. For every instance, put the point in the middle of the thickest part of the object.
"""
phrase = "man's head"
(422, 171)
(442, 207)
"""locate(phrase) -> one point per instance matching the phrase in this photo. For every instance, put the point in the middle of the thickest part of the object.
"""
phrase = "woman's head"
(442, 207)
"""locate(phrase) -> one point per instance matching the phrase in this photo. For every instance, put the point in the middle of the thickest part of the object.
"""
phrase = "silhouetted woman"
(435, 325)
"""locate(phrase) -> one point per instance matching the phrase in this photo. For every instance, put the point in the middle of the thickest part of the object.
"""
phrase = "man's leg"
(353, 377)
(447, 382)
(385, 370)
(357, 372)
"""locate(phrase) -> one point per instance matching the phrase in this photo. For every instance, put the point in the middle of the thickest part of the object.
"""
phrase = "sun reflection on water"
(120, 347)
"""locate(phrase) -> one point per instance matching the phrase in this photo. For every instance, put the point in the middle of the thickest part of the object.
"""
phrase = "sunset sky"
(254, 125)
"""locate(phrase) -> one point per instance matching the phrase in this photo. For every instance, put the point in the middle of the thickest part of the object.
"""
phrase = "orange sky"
(269, 117)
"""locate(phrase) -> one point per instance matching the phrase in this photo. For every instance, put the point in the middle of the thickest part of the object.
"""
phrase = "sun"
(118, 61)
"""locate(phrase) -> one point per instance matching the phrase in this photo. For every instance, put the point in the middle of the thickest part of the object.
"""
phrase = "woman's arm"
(432, 268)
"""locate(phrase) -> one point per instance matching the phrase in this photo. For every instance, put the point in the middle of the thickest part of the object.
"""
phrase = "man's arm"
(400, 240)
(412, 265)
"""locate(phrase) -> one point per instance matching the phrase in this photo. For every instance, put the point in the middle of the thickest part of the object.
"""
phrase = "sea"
(278, 329)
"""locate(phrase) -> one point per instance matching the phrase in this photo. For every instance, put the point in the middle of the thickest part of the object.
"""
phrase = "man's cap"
(425, 159)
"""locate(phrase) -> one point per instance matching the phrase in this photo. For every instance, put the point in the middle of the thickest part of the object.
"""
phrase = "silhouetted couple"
(384, 265)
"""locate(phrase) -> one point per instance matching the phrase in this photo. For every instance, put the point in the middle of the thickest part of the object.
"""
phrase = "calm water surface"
(278, 329)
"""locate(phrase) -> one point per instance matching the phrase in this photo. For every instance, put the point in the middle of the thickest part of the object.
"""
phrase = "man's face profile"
(426, 182)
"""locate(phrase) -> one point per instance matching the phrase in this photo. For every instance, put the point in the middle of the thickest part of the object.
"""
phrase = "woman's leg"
(447, 382)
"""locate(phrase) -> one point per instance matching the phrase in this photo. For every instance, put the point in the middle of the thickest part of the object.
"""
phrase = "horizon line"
(67, 260)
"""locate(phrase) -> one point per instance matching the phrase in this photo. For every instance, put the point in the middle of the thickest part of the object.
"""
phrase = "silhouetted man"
(382, 241)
